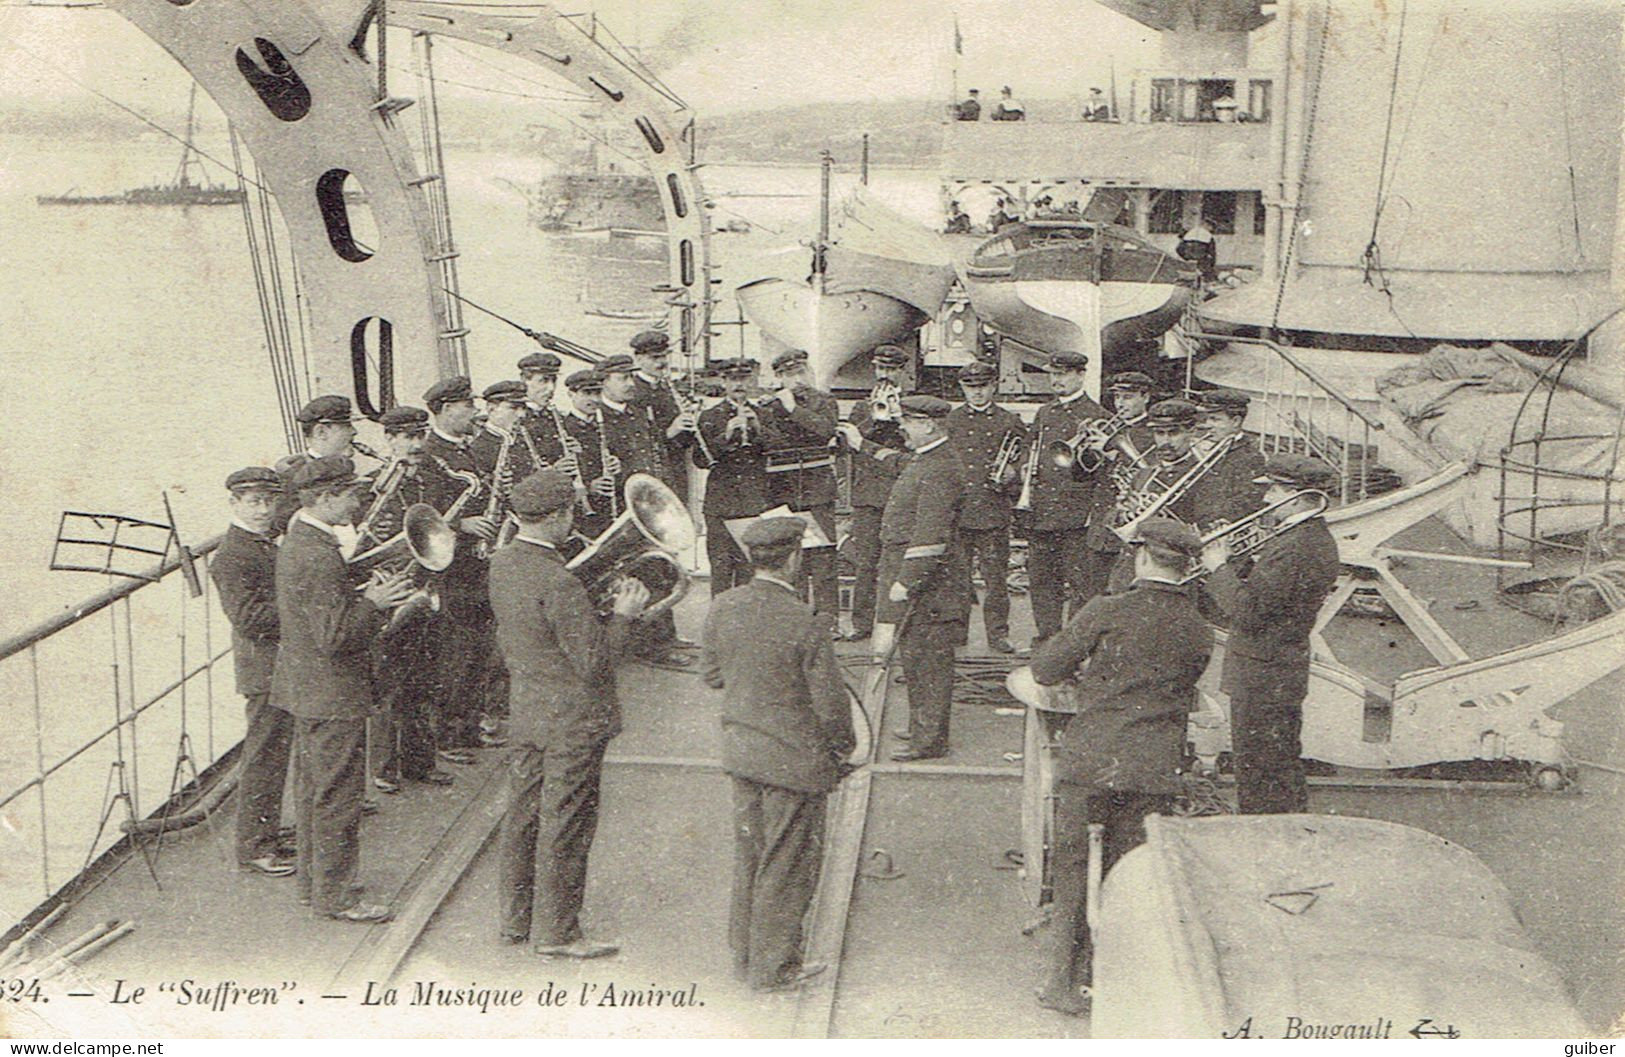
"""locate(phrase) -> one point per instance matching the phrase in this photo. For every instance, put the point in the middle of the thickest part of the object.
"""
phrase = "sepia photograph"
(871, 519)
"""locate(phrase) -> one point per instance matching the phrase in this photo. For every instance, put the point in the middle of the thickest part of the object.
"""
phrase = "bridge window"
(1258, 101)
(1166, 216)
(337, 190)
(1219, 212)
(372, 366)
(277, 83)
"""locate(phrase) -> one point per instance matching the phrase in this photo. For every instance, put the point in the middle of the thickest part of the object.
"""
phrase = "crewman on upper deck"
(244, 572)
(971, 108)
(1008, 109)
(1095, 107)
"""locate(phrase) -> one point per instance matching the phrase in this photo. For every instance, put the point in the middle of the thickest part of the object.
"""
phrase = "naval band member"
(798, 424)
(671, 425)
(591, 471)
(876, 462)
(976, 430)
(736, 485)
(1056, 551)
(1272, 608)
(924, 574)
(323, 677)
(1130, 393)
(786, 730)
(564, 713)
(327, 425)
(1229, 491)
(1136, 658)
(404, 660)
(244, 572)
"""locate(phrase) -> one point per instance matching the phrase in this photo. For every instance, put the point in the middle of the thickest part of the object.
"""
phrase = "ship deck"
(937, 951)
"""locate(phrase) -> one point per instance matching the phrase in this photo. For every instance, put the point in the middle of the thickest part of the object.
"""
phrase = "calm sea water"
(133, 356)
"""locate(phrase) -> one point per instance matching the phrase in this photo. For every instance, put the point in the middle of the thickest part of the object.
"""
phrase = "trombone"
(1247, 534)
(1139, 506)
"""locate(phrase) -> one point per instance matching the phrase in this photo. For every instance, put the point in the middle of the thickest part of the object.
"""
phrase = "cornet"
(1009, 446)
(886, 401)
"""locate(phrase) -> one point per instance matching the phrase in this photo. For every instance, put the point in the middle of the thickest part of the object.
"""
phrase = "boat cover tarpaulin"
(875, 248)
(1264, 925)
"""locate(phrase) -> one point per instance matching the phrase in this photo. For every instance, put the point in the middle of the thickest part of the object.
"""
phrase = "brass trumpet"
(1009, 447)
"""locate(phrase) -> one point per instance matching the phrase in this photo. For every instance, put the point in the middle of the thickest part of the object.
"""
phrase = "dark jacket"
(920, 545)
(1103, 506)
(1227, 492)
(660, 409)
(536, 441)
(244, 572)
(1058, 500)
(631, 439)
(786, 720)
(463, 582)
(736, 485)
(872, 478)
(797, 437)
(1273, 606)
(1136, 657)
(323, 665)
(560, 656)
(1202, 505)
(976, 436)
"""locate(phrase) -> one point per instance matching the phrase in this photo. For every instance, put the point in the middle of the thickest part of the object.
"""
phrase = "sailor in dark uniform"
(323, 678)
(403, 739)
(798, 426)
(976, 429)
(504, 408)
(327, 425)
(925, 575)
(875, 465)
(1228, 492)
(590, 473)
(1136, 658)
(244, 572)
(736, 485)
(786, 731)
(538, 443)
(1130, 392)
(629, 434)
(1061, 502)
(1173, 427)
(564, 714)
(672, 427)
(462, 635)
(1272, 603)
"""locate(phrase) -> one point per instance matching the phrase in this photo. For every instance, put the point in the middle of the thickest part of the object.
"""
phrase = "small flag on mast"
(959, 42)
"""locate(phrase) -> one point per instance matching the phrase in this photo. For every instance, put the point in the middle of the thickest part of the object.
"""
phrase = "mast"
(184, 169)
(826, 163)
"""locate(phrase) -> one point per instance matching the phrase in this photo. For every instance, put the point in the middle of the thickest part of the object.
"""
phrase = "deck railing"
(114, 706)
(1299, 410)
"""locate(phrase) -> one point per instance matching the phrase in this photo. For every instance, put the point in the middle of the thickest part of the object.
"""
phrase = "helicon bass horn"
(640, 543)
(424, 538)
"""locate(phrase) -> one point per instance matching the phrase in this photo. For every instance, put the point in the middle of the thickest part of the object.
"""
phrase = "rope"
(1303, 167)
(551, 342)
(287, 399)
(1372, 256)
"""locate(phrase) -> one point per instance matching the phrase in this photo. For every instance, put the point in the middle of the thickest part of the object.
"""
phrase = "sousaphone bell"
(653, 526)
(424, 539)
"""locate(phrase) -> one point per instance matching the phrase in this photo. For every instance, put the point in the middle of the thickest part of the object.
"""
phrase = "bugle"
(640, 544)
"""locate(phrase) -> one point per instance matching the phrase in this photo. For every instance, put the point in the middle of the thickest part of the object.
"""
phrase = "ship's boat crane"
(295, 81)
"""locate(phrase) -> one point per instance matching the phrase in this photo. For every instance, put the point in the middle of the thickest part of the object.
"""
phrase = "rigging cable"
(1303, 168)
(1372, 257)
(551, 342)
(286, 398)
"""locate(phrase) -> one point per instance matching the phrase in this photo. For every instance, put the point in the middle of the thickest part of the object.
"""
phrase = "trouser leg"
(516, 845)
(991, 550)
(462, 640)
(791, 849)
(928, 661)
(819, 566)
(332, 775)
(1268, 754)
(1097, 573)
(1046, 581)
(863, 552)
(729, 567)
(1075, 567)
(567, 819)
(747, 801)
(267, 745)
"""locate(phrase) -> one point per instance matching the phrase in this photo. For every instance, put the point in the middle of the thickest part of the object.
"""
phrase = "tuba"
(424, 539)
(640, 543)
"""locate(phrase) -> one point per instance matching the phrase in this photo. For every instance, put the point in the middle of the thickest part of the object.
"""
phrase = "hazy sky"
(718, 54)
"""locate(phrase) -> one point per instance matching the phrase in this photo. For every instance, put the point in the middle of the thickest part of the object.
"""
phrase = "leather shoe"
(270, 866)
(796, 979)
(675, 658)
(461, 757)
(910, 755)
(355, 889)
(1001, 645)
(386, 785)
(856, 635)
(438, 777)
(902, 734)
(579, 949)
(364, 912)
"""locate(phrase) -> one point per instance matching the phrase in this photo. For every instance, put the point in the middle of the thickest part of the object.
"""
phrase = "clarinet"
(604, 455)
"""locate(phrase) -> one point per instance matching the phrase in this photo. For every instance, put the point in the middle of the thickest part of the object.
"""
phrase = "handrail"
(96, 603)
(1297, 365)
